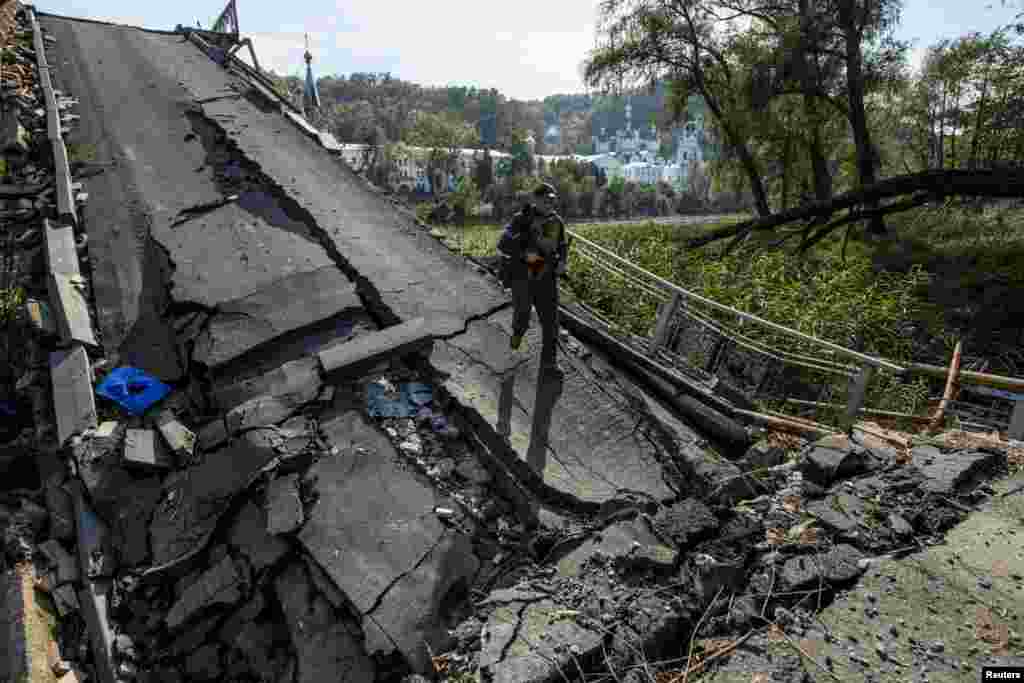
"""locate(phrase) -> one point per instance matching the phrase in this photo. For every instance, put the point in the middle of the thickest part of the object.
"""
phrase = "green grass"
(10, 299)
(946, 273)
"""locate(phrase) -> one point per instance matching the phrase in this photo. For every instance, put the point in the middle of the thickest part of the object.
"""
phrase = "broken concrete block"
(204, 664)
(61, 509)
(219, 585)
(71, 308)
(73, 400)
(62, 178)
(195, 499)
(213, 435)
(839, 510)
(130, 520)
(360, 353)
(301, 377)
(324, 646)
(823, 465)
(261, 412)
(900, 526)
(61, 254)
(685, 523)
(244, 324)
(179, 438)
(838, 565)
(533, 643)
(66, 600)
(249, 535)
(949, 473)
(143, 450)
(66, 565)
(284, 508)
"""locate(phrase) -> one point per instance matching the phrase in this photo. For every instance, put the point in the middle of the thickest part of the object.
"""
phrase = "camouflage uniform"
(535, 286)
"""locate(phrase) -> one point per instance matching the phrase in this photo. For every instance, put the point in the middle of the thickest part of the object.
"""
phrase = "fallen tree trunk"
(1000, 183)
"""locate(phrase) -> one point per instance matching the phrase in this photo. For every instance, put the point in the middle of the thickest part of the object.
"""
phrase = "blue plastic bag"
(411, 397)
(132, 389)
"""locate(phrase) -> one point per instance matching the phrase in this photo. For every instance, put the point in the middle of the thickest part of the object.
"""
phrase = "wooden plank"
(71, 308)
(73, 401)
(61, 254)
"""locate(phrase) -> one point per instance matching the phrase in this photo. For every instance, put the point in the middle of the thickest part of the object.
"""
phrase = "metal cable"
(625, 276)
(676, 289)
(777, 356)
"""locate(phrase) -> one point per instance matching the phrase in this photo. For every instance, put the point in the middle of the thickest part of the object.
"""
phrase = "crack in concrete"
(475, 318)
(192, 212)
(383, 594)
(515, 633)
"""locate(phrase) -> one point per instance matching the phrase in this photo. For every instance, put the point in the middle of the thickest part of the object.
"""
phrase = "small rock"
(936, 646)
(985, 582)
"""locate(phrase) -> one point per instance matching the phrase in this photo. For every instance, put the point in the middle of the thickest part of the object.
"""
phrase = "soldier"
(534, 253)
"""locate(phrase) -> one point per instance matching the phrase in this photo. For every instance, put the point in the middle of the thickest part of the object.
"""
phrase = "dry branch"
(1007, 182)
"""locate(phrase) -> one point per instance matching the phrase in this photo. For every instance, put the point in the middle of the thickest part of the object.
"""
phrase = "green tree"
(683, 42)
(443, 135)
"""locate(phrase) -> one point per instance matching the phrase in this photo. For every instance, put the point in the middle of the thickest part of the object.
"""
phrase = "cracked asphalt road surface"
(219, 212)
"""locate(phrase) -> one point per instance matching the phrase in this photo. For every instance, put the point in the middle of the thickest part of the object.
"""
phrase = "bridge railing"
(797, 373)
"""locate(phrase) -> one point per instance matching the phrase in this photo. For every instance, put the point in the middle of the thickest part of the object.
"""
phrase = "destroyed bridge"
(275, 433)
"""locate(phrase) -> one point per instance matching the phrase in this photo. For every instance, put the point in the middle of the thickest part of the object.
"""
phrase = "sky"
(527, 49)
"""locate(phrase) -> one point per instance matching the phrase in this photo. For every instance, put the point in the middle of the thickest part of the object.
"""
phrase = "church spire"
(310, 95)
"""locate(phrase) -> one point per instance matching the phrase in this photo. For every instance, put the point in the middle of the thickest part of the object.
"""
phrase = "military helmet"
(545, 190)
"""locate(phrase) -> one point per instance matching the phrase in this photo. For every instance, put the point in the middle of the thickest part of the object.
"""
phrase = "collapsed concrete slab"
(229, 254)
(287, 304)
(596, 437)
(195, 499)
(364, 352)
(949, 473)
(249, 535)
(284, 508)
(73, 401)
(325, 647)
(626, 545)
(222, 584)
(67, 566)
(300, 377)
(373, 532)
(534, 643)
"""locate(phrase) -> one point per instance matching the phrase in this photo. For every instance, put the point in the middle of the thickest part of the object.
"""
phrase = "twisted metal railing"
(709, 342)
